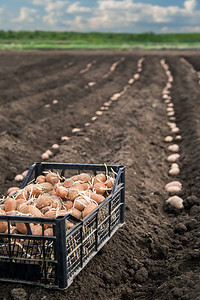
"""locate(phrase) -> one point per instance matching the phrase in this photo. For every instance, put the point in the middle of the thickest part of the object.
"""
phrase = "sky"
(131, 16)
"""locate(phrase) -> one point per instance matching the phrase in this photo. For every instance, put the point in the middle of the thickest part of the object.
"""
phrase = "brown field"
(156, 254)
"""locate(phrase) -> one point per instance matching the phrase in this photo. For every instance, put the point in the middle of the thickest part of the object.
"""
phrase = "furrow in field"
(42, 75)
(126, 135)
(186, 94)
(192, 69)
(32, 78)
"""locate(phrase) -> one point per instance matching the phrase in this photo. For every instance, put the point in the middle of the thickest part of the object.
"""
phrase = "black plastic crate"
(54, 261)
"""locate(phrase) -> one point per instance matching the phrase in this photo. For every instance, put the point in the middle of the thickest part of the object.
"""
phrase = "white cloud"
(51, 19)
(54, 10)
(26, 14)
(53, 7)
(126, 14)
(190, 5)
(76, 24)
(111, 15)
(76, 8)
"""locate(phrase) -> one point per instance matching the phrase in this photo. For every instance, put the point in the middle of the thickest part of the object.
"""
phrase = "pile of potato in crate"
(57, 220)
(52, 195)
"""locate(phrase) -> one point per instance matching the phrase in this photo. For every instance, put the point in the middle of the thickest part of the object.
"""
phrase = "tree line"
(99, 37)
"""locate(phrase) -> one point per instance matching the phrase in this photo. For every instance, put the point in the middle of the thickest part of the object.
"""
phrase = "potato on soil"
(174, 171)
(19, 177)
(173, 157)
(172, 183)
(176, 202)
(173, 189)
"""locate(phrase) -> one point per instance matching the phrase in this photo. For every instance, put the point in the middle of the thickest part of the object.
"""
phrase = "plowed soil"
(156, 254)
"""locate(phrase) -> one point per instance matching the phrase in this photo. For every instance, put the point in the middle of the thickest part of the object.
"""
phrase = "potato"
(68, 183)
(68, 204)
(52, 177)
(80, 203)
(99, 178)
(29, 209)
(21, 227)
(74, 191)
(3, 225)
(75, 212)
(43, 200)
(48, 232)
(173, 157)
(40, 179)
(176, 202)
(10, 204)
(11, 190)
(96, 197)
(109, 182)
(36, 229)
(21, 194)
(100, 188)
(173, 148)
(85, 177)
(88, 209)
(61, 191)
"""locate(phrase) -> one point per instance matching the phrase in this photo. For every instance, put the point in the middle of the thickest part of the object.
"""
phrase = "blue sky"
(101, 15)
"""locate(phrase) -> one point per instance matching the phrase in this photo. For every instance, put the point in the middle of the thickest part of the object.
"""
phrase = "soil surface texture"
(156, 254)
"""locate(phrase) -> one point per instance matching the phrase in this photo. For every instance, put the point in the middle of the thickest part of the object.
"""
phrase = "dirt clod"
(19, 294)
(141, 275)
